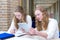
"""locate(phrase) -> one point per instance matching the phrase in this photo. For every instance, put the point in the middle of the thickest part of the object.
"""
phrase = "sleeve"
(52, 27)
(29, 21)
(12, 26)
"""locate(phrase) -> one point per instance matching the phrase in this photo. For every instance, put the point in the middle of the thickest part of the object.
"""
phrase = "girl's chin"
(40, 20)
(19, 19)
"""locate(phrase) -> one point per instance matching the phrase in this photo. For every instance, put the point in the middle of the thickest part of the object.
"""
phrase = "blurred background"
(7, 8)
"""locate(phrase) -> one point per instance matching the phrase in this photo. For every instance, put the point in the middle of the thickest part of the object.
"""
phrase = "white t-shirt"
(52, 30)
(29, 22)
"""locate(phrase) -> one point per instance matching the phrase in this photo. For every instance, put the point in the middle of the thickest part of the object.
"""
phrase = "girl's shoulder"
(52, 19)
(28, 16)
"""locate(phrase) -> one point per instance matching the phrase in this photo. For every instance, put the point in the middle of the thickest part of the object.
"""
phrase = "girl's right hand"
(12, 31)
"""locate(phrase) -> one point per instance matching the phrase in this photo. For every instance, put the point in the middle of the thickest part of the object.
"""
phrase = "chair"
(33, 22)
(59, 34)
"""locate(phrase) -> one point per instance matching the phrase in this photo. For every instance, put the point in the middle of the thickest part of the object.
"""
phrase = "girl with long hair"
(19, 17)
(45, 27)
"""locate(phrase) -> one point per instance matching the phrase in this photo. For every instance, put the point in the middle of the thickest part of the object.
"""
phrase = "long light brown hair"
(16, 21)
(42, 25)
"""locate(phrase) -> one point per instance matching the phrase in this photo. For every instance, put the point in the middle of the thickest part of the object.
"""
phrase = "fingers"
(32, 31)
(12, 31)
(23, 30)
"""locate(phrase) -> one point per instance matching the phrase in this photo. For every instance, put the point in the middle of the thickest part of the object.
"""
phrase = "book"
(6, 35)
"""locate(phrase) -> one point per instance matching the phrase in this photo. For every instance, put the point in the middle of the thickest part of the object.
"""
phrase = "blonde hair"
(45, 20)
(16, 21)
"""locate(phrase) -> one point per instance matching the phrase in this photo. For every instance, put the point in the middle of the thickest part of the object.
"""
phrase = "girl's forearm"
(42, 34)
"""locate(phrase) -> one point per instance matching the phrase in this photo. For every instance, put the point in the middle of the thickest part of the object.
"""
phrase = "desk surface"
(56, 39)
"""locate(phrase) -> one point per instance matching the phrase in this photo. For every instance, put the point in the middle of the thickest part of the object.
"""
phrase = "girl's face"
(38, 15)
(18, 15)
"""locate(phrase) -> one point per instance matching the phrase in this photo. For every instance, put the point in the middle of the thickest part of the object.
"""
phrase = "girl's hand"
(23, 30)
(12, 31)
(32, 31)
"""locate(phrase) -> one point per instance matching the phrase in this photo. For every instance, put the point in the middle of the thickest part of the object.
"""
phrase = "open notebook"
(19, 34)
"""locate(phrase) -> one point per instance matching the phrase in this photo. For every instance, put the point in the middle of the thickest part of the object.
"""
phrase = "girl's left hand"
(32, 31)
(23, 30)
